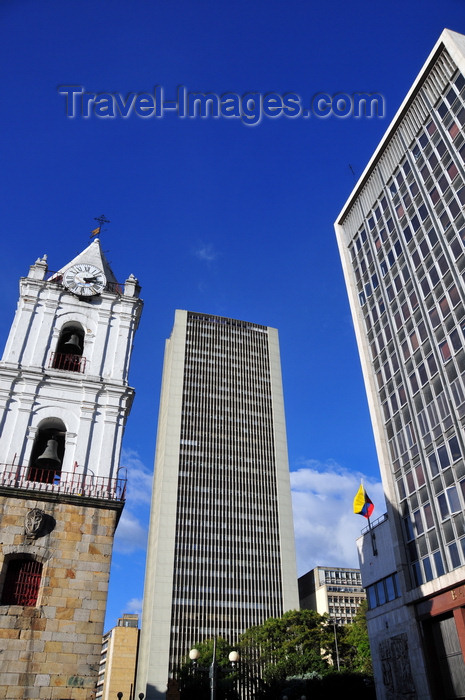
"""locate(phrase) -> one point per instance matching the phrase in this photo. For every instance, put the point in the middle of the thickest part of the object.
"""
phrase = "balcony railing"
(375, 523)
(67, 483)
(65, 361)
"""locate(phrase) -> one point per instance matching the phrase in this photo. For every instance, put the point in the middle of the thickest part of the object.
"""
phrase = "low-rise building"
(119, 660)
(333, 590)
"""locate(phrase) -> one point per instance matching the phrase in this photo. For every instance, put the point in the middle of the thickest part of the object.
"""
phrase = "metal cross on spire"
(102, 220)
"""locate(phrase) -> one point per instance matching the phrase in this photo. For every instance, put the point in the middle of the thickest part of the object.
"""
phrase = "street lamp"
(335, 643)
(213, 671)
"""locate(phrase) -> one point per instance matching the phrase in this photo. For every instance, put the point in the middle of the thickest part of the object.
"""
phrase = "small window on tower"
(22, 582)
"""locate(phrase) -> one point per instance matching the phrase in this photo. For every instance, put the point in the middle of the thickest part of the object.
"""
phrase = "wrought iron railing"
(68, 483)
(65, 361)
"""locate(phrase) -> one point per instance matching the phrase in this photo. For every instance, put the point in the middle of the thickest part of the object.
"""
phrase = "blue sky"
(213, 215)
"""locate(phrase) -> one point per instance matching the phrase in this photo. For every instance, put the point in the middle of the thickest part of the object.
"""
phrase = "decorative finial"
(102, 220)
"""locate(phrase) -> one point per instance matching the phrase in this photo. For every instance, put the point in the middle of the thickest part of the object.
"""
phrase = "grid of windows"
(383, 591)
(336, 591)
(340, 577)
(343, 609)
(227, 569)
(408, 259)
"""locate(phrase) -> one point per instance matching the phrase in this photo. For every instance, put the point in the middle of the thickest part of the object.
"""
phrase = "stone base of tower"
(50, 648)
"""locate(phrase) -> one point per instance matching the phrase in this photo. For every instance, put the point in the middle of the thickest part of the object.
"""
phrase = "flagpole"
(373, 538)
(364, 506)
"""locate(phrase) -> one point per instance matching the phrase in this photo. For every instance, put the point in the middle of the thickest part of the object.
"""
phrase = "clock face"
(84, 280)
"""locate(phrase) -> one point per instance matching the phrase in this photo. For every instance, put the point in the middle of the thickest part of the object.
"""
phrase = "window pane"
(433, 464)
(417, 577)
(455, 340)
(413, 383)
(443, 505)
(422, 373)
(371, 595)
(408, 528)
(454, 448)
(381, 592)
(443, 455)
(438, 563)
(445, 351)
(410, 482)
(428, 516)
(434, 276)
(414, 340)
(390, 590)
(427, 569)
(420, 475)
(454, 555)
(422, 330)
(454, 501)
(401, 489)
(418, 522)
(444, 304)
(433, 415)
(432, 364)
(434, 316)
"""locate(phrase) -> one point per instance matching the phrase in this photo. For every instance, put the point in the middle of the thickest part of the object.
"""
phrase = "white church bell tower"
(64, 401)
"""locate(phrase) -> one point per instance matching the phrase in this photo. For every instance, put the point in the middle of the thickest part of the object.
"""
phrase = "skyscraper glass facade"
(401, 238)
(407, 255)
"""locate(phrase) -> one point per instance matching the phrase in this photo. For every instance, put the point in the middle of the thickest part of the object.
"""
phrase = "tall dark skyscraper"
(221, 554)
(401, 237)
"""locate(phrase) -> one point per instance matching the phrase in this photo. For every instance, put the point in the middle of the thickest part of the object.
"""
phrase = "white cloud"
(325, 526)
(206, 252)
(139, 478)
(130, 534)
(134, 606)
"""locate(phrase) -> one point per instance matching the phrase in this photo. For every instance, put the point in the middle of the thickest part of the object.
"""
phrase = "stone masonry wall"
(53, 650)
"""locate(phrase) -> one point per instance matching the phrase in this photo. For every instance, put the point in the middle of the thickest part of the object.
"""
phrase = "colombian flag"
(362, 504)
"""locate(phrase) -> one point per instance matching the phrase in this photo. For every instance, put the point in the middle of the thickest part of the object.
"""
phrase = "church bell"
(49, 458)
(72, 346)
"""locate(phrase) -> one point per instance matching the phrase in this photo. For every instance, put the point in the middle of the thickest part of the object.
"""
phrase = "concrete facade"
(64, 400)
(401, 238)
(118, 660)
(334, 590)
(221, 553)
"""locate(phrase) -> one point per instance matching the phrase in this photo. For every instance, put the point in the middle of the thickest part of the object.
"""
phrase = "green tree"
(287, 646)
(357, 654)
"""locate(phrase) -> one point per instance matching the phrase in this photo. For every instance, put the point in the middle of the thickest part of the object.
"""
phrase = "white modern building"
(401, 238)
(221, 554)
